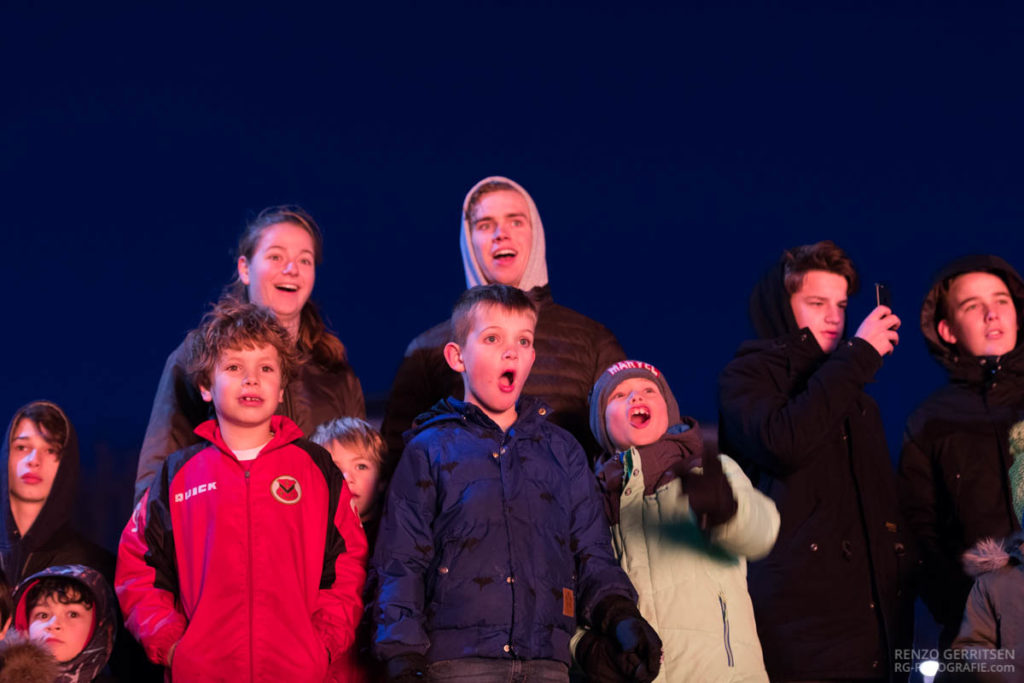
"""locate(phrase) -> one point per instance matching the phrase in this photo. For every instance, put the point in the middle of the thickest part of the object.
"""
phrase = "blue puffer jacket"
(492, 543)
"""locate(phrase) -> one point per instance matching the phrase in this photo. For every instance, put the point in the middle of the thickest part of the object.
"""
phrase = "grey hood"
(536, 273)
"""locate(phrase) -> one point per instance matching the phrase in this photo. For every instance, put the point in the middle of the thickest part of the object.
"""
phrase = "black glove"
(710, 495)
(637, 643)
(597, 655)
(407, 669)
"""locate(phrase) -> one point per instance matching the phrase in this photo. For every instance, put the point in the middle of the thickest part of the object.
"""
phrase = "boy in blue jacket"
(494, 540)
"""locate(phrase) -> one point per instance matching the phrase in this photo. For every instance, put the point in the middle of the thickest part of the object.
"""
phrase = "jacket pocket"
(441, 574)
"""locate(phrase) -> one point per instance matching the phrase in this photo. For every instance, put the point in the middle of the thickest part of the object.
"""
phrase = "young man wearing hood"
(953, 470)
(829, 599)
(502, 241)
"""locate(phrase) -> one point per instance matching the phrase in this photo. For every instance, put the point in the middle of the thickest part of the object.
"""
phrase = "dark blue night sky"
(673, 153)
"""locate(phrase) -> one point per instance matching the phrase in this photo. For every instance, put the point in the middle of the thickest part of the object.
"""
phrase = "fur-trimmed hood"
(23, 660)
(989, 555)
(961, 366)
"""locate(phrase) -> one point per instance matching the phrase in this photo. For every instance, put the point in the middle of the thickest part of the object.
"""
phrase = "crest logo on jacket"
(286, 490)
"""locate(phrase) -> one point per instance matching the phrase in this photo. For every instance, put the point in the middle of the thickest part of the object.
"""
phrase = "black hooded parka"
(953, 468)
(830, 600)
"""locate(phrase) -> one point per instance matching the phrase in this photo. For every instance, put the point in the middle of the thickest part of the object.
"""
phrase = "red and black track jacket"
(255, 569)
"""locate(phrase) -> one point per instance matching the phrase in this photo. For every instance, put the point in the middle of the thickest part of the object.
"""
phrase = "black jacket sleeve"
(778, 408)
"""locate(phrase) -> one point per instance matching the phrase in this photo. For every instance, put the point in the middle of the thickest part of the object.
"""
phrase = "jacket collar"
(530, 411)
(284, 432)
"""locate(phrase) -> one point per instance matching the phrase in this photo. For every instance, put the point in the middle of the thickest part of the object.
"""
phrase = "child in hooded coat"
(992, 629)
(90, 663)
(22, 660)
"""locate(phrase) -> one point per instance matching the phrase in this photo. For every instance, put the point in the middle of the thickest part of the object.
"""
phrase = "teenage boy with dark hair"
(41, 481)
(502, 241)
(494, 540)
(953, 471)
(245, 555)
(829, 599)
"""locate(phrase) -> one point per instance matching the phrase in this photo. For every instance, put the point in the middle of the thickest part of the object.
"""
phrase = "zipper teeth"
(249, 570)
(725, 630)
(28, 559)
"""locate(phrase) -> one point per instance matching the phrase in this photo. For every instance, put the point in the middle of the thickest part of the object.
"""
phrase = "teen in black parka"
(51, 539)
(830, 600)
(953, 468)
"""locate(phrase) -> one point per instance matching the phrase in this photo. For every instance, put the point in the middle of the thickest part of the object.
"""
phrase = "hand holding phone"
(880, 330)
(883, 297)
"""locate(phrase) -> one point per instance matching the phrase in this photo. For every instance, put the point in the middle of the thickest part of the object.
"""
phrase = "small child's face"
(32, 463)
(495, 360)
(636, 413)
(245, 386)
(361, 473)
(63, 628)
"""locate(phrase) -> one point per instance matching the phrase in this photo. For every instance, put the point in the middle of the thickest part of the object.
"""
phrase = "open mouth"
(639, 416)
(251, 400)
(504, 255)
(286, 288)
(507, 380)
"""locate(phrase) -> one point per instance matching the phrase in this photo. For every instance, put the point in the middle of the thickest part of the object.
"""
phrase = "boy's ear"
(946, 332)
(206, 393)
(280, 398)
(453, 356)
(243, 270)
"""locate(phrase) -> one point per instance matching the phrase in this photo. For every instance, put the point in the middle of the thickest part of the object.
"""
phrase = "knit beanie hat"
(1017, 469)
(611, 378)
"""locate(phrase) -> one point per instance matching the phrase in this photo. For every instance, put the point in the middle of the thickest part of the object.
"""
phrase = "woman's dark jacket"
(953, 470)
(830, 599)
(572, 352)
(313, 396)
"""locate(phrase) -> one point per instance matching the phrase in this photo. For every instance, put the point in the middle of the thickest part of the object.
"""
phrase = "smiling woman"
(277, 259)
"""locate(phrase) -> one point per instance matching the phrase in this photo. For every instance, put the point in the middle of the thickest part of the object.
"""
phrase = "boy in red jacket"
(245, 559)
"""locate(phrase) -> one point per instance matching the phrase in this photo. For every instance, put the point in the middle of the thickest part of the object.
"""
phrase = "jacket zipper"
(725, 631)
(24, 567)
(249, 570)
